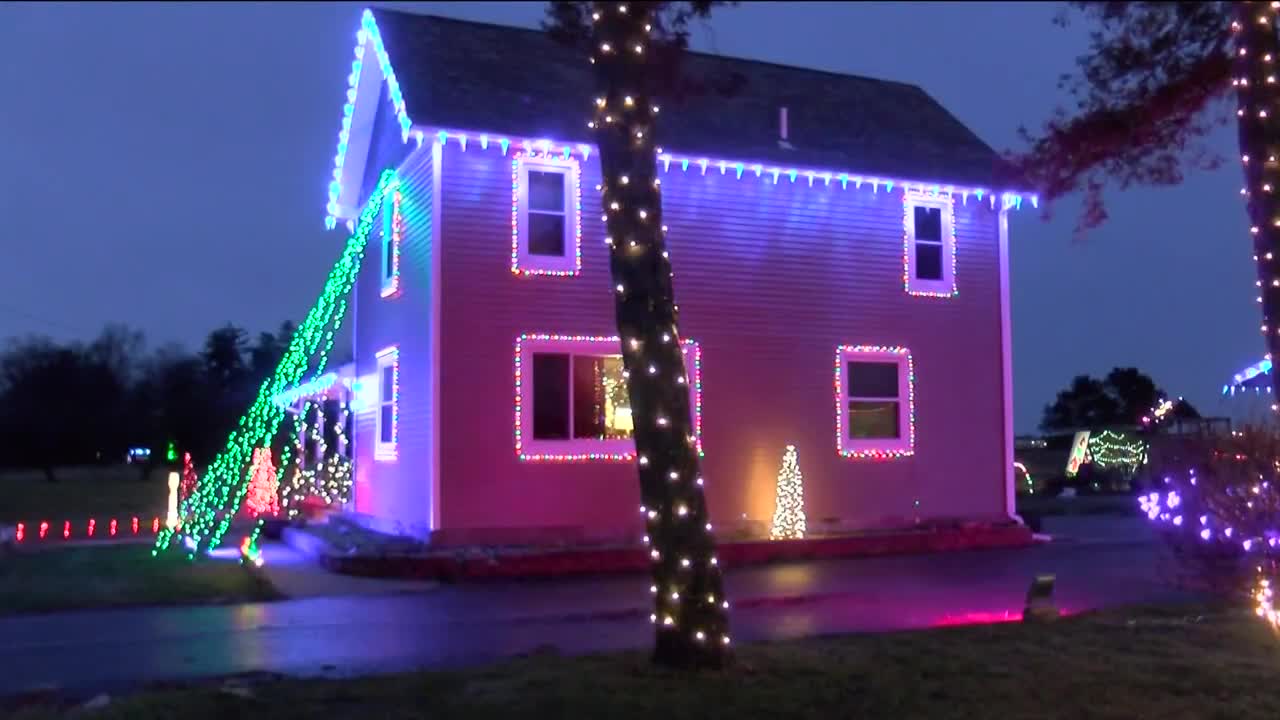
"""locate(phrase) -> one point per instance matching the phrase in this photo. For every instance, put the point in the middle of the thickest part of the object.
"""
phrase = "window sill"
(577, 451)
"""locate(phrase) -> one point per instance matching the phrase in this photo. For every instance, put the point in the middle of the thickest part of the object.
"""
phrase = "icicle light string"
(370, 38)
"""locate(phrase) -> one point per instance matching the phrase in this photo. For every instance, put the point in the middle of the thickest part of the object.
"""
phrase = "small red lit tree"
(187, 484)
(263, 497)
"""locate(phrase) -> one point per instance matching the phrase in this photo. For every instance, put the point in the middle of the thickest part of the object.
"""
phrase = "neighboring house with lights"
(1255, 379)
(841, 267)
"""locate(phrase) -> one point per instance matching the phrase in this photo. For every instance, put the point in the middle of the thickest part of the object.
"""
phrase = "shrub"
(1217, 498)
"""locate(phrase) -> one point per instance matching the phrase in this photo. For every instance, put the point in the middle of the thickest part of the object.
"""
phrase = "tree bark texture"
(1257, 51)
(689, 604)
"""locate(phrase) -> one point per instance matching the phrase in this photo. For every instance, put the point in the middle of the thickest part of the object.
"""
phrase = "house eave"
(356, 123)
(354, 135)
(1010, 199)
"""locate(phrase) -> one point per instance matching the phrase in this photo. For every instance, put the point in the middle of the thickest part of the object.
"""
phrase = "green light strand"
(261, 417)
(249, 551)
(225, 482)
(215, 496)
(1109, 449)
(242, 487)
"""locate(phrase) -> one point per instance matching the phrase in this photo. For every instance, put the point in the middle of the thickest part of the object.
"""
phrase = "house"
(841, 262)
(1256, 377)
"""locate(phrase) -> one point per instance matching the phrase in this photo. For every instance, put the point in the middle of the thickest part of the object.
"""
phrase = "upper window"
(874, 402)
(546, 216)
(572, 401)
(388, 418)
(929, 247)
(392, 229)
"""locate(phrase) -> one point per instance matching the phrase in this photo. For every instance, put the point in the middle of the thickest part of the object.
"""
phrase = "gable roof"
(467, 76)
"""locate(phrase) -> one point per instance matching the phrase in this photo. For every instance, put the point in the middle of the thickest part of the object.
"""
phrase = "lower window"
(875, 401)
(572, 402)
(387, 422)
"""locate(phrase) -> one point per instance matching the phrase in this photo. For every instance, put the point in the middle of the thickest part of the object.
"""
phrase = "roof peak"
(443, 73)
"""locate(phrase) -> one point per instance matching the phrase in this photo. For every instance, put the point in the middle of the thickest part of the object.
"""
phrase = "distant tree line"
(1121, 398)
(89, 402)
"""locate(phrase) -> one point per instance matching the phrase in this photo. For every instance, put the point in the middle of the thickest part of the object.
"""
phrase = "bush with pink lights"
(1218, 505)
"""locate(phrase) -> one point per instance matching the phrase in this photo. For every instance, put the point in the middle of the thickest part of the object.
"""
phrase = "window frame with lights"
(387, 359)
(530, 448)
(523, 260)
(903, 445)
(391, 237)
(944, 286)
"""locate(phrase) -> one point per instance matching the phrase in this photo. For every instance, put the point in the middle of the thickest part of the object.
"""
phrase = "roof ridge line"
(696, 53)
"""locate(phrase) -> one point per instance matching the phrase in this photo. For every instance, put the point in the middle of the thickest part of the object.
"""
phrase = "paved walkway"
(113, 650)
(1100, 529)
(297, 576)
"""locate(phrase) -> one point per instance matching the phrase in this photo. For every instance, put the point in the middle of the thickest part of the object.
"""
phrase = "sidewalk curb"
(447, 566)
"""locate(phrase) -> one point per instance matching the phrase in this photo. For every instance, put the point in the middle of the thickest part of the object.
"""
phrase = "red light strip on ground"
(113, 529)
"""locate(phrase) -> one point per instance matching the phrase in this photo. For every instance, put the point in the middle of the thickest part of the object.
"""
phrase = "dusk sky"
(165, 166)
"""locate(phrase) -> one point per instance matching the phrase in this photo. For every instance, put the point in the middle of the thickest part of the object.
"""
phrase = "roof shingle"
(464, 75)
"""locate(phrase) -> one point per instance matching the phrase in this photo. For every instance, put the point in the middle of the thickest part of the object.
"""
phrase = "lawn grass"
(82, 493)
(119, 575)
(1164, 666)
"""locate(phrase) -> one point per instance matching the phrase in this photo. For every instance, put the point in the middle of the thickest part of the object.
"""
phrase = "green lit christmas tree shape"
(1111, 450)
(208, 514)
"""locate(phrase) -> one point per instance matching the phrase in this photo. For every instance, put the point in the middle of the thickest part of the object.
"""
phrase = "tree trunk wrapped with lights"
(1257, 93)
(689, 605)
(1145, 97)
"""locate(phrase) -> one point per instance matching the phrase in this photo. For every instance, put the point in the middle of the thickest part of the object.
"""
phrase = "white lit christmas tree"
(788, 513)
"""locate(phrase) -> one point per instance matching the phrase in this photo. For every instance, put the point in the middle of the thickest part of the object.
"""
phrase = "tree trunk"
(689, 604)
(1257, 91)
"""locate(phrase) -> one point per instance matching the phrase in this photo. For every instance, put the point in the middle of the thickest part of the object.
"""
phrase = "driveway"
(119, 649)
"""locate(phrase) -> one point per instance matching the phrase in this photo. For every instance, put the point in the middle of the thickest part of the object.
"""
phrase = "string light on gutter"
(847, 180)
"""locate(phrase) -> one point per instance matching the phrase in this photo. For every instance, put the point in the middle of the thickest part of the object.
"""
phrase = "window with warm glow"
(874, 402)
(572, 401)
(579, 396)
(875, 399)
(548, 220)
(387, 419)
(929, 252)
